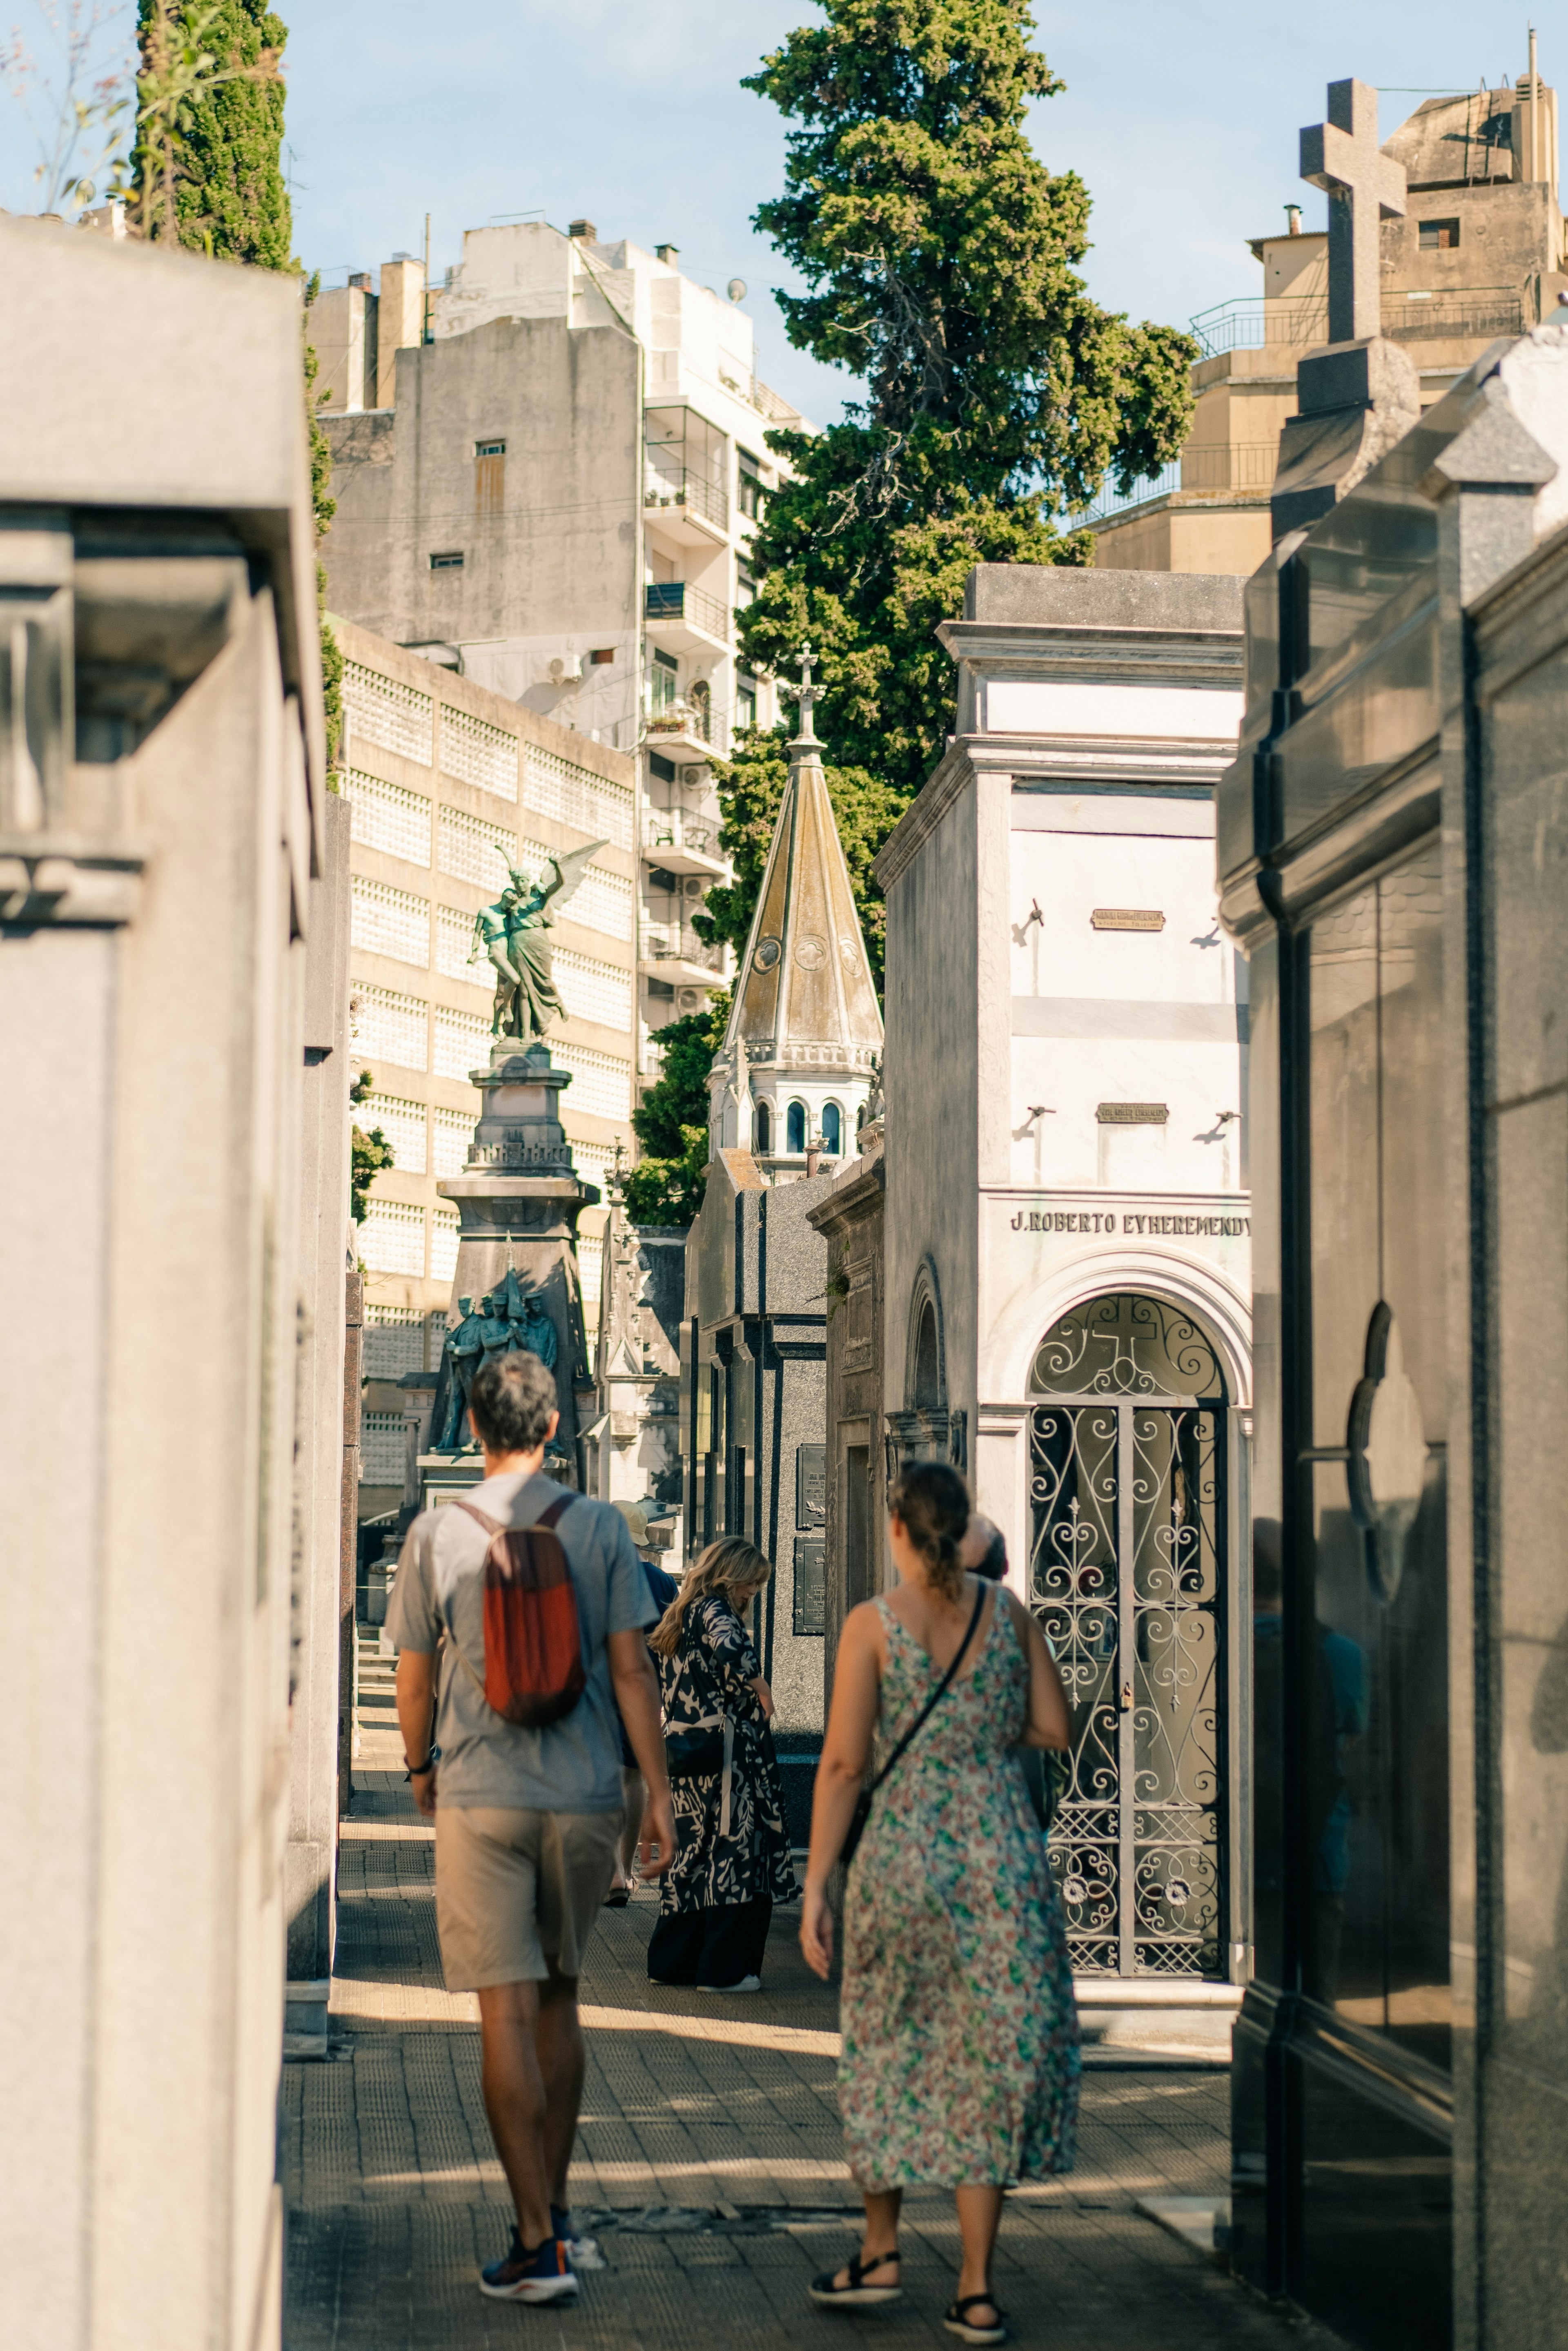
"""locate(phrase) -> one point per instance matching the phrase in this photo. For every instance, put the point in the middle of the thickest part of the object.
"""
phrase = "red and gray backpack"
(533, 1641)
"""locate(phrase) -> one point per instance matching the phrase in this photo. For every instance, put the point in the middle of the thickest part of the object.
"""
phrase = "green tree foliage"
(220, 59)
(367, 1153)
(666, 1185)
(752, 785)
(209, 174)
(940, 258)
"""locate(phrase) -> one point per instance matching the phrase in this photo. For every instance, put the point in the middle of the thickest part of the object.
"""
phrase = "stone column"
(310, 1860)
(518, 1199)
(162, 775)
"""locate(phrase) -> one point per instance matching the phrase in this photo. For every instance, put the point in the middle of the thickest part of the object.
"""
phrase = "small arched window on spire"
(764, 1128)
(832, 1129)
(795, 1127)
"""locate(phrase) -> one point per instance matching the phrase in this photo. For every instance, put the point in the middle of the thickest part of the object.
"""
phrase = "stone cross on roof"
(1364, 186)
(806, 694)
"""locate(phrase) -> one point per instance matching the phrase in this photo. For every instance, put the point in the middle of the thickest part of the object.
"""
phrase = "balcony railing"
(683, 947)
(1229, 465)
(1114, 502)
(759, 395)
(663, 833)
(678, 488)
(677, 599)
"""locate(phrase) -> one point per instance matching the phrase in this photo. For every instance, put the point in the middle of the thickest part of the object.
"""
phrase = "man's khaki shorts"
(517, 1892)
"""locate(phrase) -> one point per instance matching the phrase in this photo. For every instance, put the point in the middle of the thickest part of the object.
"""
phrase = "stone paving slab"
(713, 2105)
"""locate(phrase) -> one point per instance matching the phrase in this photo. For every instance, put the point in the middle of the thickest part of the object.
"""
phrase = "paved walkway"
(708, 2159)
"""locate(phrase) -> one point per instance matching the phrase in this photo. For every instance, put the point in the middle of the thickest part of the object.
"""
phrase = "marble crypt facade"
(1065, 1275)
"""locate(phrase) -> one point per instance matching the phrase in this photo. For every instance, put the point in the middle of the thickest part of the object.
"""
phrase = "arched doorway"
(1127, 1577)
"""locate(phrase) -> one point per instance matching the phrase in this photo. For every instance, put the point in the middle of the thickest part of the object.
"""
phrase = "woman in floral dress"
(732, 1856)
(960, 2057)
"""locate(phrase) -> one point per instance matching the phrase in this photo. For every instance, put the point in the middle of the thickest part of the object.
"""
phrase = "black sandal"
(856, 2295)
(957, 2324)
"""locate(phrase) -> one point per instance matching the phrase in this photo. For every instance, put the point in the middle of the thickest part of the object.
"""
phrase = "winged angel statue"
(515, 934)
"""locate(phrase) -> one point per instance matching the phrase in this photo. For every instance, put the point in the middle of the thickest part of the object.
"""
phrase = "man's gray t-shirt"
(575, 1765)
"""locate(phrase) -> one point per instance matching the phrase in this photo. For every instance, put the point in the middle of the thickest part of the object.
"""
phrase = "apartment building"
(549, 470)
(448, 782)
(1478, 252)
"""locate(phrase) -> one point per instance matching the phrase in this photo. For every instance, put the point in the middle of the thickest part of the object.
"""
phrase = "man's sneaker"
(543, 2275)
(581, 2252)
(746, 1983)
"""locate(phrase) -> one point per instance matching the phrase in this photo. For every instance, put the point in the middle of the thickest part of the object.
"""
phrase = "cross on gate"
(806, 694)
(1364, 186)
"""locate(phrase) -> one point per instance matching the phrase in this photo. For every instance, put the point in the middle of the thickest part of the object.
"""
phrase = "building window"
(795, 1127)
(748, 484)
(764, 1128)
(659, 765)
(744, 701)
(664, 681)
(701, 700)
(489, 480)
(475, 752)
(1439, 235)
(833, 1128)
(745, 585)
(389, 921)
(601, 654)
(387, 816)
(450, 562)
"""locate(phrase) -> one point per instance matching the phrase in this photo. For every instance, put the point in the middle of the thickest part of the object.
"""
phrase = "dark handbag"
(1045, 1774)
(861, 1813)
(694, 1753)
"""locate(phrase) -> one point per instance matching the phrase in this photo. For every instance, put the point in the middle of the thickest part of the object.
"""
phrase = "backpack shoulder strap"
(552, 1517)
(491, 1525)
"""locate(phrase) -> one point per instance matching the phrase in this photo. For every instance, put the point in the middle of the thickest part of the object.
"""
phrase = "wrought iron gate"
(1126, 1482)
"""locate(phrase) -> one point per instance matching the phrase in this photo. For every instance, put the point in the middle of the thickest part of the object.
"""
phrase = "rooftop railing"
(1248, 324)
(1477, 315)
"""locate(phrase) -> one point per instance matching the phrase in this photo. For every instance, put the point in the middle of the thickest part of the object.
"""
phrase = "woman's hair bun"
(933, 1503)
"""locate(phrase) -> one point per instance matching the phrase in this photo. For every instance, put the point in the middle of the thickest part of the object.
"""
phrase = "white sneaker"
(746, 1983)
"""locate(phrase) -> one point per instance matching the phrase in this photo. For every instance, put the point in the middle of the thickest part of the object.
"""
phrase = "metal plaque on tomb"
(810, 1583)
(811, 1486)
(1127, 918)
(1133, 1114)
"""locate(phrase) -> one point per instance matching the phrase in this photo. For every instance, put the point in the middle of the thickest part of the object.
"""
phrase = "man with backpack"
(543, 1605)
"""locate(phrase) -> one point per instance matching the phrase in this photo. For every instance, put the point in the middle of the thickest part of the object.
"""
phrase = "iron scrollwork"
(1125, 1490)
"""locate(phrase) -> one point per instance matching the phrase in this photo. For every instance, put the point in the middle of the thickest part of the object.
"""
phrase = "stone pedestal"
(518, 1199)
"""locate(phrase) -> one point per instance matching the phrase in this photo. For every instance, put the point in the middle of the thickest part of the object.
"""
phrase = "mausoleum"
(1065, 1261)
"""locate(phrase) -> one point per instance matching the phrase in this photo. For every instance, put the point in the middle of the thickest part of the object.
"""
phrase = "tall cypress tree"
(940, 258)
(215, 144)
(229, 196)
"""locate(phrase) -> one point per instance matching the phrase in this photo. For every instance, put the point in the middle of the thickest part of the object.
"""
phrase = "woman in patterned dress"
(732, 1856)
(960, 2039)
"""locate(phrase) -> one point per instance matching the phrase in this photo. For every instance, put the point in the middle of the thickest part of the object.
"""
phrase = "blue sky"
(1182, 123)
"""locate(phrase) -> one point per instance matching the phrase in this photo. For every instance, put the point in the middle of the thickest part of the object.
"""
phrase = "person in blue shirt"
(663, 1588)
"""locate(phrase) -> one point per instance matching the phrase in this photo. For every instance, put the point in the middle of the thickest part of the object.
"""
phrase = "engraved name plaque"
(1127, 918)
(1133, 1114)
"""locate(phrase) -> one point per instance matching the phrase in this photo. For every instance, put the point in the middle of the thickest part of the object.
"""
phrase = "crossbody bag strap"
(938, 1695)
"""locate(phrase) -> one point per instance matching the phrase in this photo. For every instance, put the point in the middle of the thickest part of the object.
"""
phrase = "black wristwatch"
(419, 1771)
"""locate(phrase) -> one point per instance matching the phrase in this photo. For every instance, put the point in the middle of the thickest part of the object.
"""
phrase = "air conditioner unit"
(565, 667)
(694, 774)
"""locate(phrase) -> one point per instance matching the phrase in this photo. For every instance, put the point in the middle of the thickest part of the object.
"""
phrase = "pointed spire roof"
(805, 992)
